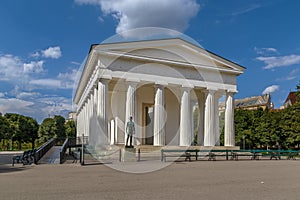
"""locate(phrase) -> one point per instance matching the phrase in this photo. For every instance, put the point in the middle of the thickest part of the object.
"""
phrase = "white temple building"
(158, 83)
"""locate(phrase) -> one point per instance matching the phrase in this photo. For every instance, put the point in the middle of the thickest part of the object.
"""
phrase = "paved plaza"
(264, 179)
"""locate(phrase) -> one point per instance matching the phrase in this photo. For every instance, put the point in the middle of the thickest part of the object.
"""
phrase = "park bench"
(290, 154)
(26, 158)
(186, 153)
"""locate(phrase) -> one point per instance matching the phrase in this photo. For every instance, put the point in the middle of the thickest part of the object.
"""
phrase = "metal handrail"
(42, 150)
(63, 150)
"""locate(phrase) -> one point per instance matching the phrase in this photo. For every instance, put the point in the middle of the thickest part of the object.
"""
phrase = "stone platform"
(128, 154)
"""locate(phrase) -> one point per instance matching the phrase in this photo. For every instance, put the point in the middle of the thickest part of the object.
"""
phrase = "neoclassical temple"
(159, 83)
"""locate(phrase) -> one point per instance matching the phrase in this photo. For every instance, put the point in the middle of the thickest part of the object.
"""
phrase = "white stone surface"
(159, 118)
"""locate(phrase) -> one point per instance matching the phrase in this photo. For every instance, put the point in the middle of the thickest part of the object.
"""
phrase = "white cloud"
(62, 81)
(131, 14)
(14, 105)
(2, 94)
(264, 51)
(11, 67)
(47, 105)
(47, 82)
(34, 67)
(52, 52)
(271, 89)
(280, 61)
(27, 95)
(291, 76)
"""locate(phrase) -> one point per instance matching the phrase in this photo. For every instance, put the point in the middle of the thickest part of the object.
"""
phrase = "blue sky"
(43, 43)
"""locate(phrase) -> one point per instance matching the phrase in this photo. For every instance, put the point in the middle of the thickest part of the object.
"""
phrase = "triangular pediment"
(175, 50)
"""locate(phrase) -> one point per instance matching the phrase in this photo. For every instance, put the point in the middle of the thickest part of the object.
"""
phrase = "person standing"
(130, 131)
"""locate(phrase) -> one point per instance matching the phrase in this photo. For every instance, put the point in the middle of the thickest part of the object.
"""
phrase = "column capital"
(159, 86)
(210, 91)
(132, 81)
(231, 92)
(186, 88)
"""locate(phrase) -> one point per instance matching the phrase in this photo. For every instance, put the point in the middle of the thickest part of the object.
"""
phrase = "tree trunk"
(32, 144)
(19, 145)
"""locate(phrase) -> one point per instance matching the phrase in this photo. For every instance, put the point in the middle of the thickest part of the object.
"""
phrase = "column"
(130, 105)
(201, 110)
(102, 102)
(192, 109)
(229, 135)
(89, 116)
(217, 119)
(185, 119)
(159, 117)
(209, 119)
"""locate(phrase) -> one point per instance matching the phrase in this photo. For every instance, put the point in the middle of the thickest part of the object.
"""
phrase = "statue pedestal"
(129, 154)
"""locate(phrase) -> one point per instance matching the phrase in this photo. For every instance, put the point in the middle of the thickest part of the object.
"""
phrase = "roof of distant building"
(292, 97)
(255, 101)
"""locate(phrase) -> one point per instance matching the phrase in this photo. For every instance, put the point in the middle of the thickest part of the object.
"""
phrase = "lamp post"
(244, 142)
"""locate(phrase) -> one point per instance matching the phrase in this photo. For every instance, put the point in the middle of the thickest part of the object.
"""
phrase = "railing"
(63, 150)
(42, 150)
(71, 142)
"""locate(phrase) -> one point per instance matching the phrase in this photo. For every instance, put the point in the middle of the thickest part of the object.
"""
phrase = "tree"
(47, 130)
(60, 126)
(31, 130)
(4, 130)
(70, 128)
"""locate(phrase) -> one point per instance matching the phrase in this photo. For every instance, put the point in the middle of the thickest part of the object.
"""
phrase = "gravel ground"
(264, 179)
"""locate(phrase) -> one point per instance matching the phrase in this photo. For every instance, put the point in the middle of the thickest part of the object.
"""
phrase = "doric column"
(201, 111)
(192, 109)
(130, 105)
(88, 116)
(102, 102)
(229, 135)
(209, 119)
(185, 119)
(217, 118)
(84, 119)
(159, 117)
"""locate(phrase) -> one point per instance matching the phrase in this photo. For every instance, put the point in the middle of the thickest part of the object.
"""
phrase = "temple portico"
(158, 83)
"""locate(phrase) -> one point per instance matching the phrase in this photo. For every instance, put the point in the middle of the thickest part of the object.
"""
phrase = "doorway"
(148, 114)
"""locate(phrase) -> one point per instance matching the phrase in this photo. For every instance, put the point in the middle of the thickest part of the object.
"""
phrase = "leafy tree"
(31, 131)
(60, 126)
(70, 128)
(4, 129)
(47, 130)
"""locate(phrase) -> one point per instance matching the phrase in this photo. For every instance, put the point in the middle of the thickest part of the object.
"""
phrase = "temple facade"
(158, 83)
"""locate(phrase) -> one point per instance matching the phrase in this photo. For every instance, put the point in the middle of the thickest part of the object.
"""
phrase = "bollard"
(139, 155)
(82, 150)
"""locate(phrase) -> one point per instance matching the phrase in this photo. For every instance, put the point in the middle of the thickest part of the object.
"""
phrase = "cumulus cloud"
(47, 82)
(52, 52)
(11, 67)
(131, 14)
(280, 61)
(271, 89)
(13, 105)
(34, 67)
(46, 105)
(62, 81)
